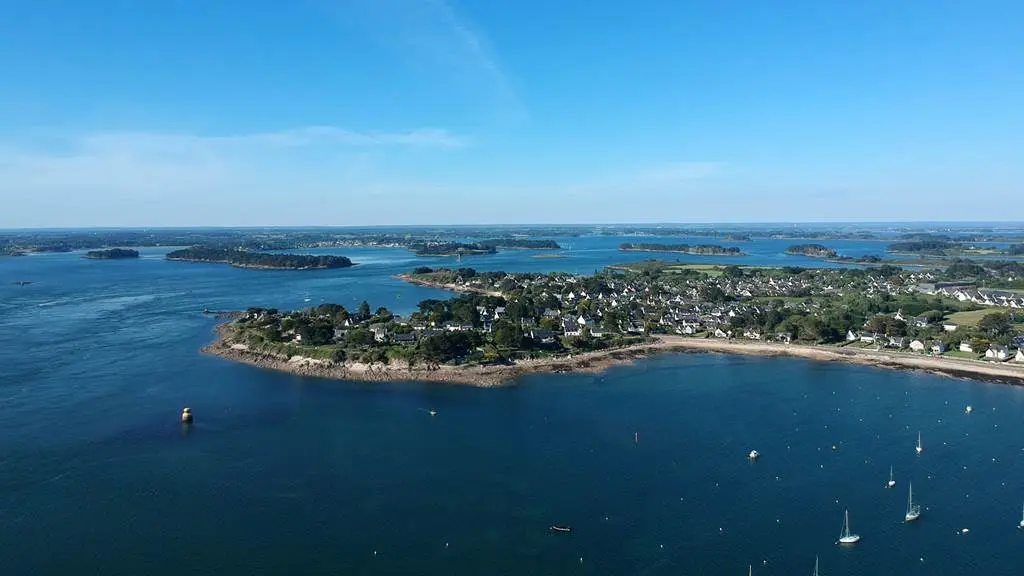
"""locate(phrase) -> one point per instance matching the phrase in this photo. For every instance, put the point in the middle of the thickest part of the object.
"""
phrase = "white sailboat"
(845, 537)
(920, 447)
(913, 510)
(1021, 525)
(891, 483)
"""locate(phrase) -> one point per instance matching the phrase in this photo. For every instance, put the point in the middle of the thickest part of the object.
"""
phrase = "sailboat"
(845, 537)
(1021, 525)
(920, 447)
(913, 510)
(892, 483)
(815, 566)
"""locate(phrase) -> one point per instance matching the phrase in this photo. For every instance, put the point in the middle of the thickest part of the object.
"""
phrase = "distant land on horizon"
(730, 225)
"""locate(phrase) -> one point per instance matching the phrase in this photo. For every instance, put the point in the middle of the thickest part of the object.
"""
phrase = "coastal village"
(503, 317)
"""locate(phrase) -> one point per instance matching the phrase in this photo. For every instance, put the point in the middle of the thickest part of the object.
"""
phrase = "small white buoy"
(433, 412)
(969, 410)
(964, 531)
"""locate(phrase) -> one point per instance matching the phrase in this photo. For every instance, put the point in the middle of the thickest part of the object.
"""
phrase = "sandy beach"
(593, 362)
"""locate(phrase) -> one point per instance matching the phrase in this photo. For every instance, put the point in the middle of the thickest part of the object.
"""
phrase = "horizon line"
(520, 225)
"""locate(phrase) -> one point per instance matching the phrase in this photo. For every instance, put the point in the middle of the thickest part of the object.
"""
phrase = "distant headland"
(697, 250)
(259, 260)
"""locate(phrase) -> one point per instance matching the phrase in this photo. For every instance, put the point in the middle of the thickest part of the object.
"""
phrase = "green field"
(972, 317)
(965, 355)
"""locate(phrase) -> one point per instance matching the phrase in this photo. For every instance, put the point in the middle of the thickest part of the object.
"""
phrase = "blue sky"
(359, 112)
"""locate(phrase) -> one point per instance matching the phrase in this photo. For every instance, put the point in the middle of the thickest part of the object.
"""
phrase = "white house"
(897, 342)
(866, 337)
(1020, 356)
(851, 336)
(719, 333)
(965, 346)
(938, 347)
(949, 327)
(917, 346)
(996, 352)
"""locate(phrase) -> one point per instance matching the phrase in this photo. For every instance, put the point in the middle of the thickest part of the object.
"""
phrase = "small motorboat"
(754, 455)
(186, 416)
(561, 529)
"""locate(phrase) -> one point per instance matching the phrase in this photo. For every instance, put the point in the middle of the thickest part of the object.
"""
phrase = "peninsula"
(503, 325)
(520, 244)
(111, 254)
(259, 260)
(450, 249)
(697, 250)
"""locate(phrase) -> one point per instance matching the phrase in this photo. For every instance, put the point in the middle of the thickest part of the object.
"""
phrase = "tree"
(733, 272)
(878, 324)
(364, 310)
(996, 324)
(338, 355)
(508, 336)
(360, 337)
(714, 294)
(894, 327)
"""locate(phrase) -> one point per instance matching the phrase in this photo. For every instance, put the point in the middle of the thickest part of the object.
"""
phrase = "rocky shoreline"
(599, 361)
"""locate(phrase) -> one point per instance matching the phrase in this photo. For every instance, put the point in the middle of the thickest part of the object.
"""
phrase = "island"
(450, 249)
(111, 254)
(502, 325)
(812, 250)
(697, 250)
(520, 243)
(259, 260)
(736, 238)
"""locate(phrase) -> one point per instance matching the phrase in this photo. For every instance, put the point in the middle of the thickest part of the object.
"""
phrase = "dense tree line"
(699, 249)
(246, 259)
(528, 243)
(923, 246)
(112, 254)
(813, 250)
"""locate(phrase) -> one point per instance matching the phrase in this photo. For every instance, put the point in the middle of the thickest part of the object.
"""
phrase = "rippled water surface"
(646, 463)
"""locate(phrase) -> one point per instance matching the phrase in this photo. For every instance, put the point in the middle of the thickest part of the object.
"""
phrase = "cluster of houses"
(996, 352)
(969, 292)
(580, 306)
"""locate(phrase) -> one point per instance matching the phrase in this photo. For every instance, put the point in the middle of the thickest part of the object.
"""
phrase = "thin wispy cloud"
(104, 171)
(436, 35)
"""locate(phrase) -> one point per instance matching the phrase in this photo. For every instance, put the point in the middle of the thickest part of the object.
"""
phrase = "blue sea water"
(647, 463)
